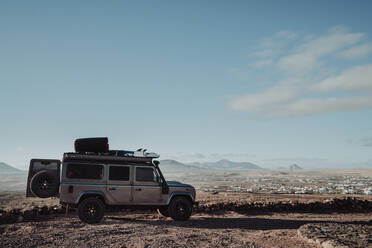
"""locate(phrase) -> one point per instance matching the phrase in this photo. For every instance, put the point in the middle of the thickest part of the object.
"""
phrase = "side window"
(84, 171)
(119, 173)
(145, 174)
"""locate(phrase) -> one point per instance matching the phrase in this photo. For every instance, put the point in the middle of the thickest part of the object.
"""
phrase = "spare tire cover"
(44, 184)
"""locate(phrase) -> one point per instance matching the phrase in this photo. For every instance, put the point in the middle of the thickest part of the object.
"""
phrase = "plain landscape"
(258, 112)
(241, 205)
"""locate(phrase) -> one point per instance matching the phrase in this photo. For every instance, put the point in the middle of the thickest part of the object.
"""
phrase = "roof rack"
(98, 149)
(125, 153)
(72, 156)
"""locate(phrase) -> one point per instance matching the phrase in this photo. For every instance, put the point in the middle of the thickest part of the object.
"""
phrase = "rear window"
(119, 173)
(145, 174)
(84, 171)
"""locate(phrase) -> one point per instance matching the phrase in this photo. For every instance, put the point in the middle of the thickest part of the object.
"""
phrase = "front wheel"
(180, 208)
(91, 210)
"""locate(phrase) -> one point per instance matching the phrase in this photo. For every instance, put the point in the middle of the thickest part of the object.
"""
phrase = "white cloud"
(274, 107)
(306, 57)
(304, 85)
(263, 63)
(313, 106)
(286, 34)
(353, 79)
(298, 63)
(264, 53)
(366, 142)
(332, 41)
(270, 46)
(264, 100)
(358, 51)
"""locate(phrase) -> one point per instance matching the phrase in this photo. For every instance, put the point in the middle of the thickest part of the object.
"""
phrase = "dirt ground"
(12, 201)
(152, 230)
(337, 234)
(149, 229)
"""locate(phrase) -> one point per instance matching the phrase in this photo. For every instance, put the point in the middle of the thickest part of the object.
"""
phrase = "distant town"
(295, 185)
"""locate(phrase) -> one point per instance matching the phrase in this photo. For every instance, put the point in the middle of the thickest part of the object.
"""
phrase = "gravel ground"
(151, 230)
(338, 234)
(208, 228)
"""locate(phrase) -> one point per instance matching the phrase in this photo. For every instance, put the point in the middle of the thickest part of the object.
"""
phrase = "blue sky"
(270, 82)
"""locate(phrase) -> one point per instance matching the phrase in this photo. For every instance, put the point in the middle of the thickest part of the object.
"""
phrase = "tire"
(163, 211)
(91, 210)
(180, 208)
(44, 184)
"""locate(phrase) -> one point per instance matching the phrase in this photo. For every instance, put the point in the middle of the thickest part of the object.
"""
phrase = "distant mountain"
(173, 166)
(294, 167)
(7, 169)
(225, 164)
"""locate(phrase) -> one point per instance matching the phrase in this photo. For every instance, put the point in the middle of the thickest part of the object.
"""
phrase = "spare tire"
(44, 184)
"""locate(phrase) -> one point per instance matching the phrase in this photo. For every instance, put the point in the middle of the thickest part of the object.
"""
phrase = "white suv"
(92, 182)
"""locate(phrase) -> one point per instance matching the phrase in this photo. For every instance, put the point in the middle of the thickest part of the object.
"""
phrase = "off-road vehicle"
(94, 178)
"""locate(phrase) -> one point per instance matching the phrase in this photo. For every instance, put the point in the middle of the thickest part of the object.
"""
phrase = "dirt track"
(152, 230)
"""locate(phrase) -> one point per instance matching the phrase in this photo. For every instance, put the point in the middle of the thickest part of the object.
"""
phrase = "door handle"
(138, 189)
(112, 188)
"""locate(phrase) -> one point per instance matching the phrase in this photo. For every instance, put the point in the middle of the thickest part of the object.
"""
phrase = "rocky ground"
(337, 234)
(216, 223)
(151, 230)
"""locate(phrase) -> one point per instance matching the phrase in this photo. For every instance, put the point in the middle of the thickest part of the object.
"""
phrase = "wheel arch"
(185, 194)
(91, 193)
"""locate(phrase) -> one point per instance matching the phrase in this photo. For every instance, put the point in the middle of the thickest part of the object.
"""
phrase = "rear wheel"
(44, 184)
(91, 210)
(180, 208)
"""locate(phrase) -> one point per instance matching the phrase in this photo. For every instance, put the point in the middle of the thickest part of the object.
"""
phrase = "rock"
(336, 235)
(20, 219)
(28, 215)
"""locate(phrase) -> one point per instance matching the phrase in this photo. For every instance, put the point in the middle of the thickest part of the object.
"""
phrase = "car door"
(146, 188)
(43, 172)
(119, 188)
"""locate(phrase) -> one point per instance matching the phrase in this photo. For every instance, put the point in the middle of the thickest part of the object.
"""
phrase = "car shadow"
(229, 223)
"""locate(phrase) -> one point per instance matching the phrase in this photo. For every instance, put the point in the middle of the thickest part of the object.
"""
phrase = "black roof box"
(99, 144)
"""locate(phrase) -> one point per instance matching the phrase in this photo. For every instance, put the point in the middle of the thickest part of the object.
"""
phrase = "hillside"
(225, 164)
(173, 166)
(7, 169)
(12, 179)
(295, 167)
(292, 167)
